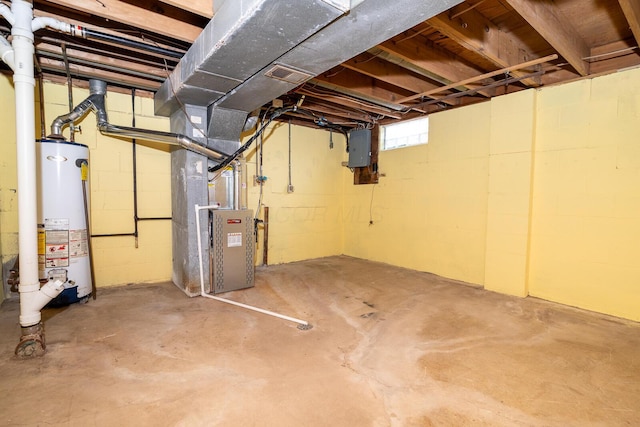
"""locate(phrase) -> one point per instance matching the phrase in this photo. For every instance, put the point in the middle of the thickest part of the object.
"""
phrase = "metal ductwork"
(249, 54)
(96, 102)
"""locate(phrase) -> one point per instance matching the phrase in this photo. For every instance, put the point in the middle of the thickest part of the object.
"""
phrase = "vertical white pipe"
(24, 84)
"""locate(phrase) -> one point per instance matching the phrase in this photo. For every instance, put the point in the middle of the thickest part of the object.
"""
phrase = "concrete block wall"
(586, 195)
(117, 260)
(307, 223)
(534, 193)
(8, 183)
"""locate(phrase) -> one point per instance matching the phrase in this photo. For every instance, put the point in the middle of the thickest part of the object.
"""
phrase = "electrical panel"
(359, 148)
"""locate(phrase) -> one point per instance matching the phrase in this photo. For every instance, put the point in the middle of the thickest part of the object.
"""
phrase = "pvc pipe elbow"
(32, 302)
(43, 21)
(7, 14)
(6, 52)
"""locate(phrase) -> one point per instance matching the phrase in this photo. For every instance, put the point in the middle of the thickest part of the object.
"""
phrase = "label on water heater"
(42, 248)
(56, 239)
(56, 248)
(78, 243)
(234, 240)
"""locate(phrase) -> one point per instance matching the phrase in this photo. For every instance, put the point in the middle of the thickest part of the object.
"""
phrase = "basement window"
(404, 134)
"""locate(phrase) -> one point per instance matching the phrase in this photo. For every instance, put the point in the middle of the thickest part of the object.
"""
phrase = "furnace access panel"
(231, 259)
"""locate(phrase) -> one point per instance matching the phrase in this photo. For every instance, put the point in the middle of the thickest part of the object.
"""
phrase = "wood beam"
(362, 86)
(437, 64)
(614, 56)
(126, 65)
(631, 10)
(310, 90)
(475, 32)
(339, 111)
(82, 71)
(557, 30)
(84, 24)
(389, 73)
(199, 7)
(485, 76)
(126, 13)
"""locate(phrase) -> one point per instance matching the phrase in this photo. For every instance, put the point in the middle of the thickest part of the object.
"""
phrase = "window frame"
(383, 134)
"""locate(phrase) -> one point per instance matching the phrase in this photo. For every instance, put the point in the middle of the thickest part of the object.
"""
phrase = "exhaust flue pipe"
(160, 136)
(96, 103)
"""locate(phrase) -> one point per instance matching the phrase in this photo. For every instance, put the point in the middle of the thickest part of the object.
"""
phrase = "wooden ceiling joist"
(472, 52)
(199, 7)
(443, 67)
(388, 72)
(337, 110)
(631, 10)
(556, 30)
(485, 76)
(361, 86)
(475, 32)
(357, 104)
(120, 11)
(86, 72)
(127, 66)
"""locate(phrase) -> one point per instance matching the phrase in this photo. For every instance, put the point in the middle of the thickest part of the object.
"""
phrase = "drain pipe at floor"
(302, 324)
(19, 56)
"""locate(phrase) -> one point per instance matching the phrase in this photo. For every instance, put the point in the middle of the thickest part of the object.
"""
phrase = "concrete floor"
(389, 347)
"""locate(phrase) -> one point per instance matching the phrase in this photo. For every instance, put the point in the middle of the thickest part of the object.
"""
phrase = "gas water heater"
(63, 241)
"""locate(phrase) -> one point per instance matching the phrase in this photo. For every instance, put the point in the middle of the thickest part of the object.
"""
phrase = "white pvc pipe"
(6, 52)
(43, 21)
(7, 14)
(24, 84)
(238, 304)
(19, 56)
(30, 307)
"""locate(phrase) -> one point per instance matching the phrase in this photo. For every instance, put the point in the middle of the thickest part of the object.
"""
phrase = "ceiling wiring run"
(319, 121)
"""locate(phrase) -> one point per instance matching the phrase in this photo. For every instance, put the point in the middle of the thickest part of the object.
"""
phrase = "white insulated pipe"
(24, 84)
(198, 208)
(20, 58)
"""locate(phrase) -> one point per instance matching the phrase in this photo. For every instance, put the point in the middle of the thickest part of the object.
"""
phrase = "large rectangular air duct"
(242, 37)
(250, 53)
(254, 51)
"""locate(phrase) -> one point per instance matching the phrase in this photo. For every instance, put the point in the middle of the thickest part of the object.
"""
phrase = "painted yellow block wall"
(117, 260)
(508, 204)
(429, 211)
(307, 223)
(585, 243)
(8, 181)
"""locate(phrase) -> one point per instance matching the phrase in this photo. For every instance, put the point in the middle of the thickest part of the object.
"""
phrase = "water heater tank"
(63, 244)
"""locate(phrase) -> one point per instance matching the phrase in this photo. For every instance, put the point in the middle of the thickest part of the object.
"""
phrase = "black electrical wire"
(319, 121)
(96, 35)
